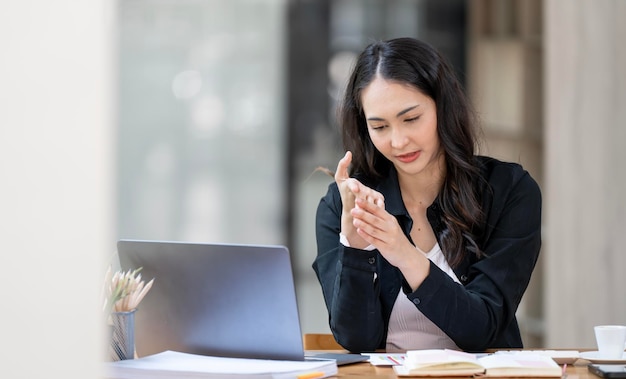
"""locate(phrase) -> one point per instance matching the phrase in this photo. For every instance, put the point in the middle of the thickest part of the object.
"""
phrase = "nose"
(398, 138)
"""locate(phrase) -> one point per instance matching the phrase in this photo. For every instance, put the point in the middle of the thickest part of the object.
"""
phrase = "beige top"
(408, 328)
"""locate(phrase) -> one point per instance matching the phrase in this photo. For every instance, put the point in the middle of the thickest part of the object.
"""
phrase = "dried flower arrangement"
(123, 291)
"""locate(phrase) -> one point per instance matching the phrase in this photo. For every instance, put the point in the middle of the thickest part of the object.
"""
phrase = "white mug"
(610, 340)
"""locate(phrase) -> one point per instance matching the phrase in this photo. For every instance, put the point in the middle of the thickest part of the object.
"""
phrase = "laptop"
(215, 299)
(218, 299)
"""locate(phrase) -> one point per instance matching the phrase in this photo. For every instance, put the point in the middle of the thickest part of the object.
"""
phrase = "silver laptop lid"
(215, 299)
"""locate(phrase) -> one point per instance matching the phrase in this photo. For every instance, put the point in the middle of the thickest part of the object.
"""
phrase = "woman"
(421, 242)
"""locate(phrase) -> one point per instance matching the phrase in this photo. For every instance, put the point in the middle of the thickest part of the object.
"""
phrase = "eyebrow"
(397, 115)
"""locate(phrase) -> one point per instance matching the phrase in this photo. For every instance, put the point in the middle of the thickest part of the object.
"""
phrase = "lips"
(409, 157)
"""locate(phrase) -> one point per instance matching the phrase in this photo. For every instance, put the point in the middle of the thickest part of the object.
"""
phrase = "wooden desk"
(368, 371)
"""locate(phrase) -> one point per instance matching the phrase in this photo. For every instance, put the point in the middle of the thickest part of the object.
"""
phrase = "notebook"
(226, 300)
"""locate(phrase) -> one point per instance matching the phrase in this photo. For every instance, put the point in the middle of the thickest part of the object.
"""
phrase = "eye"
(378, 127)
(412, 119)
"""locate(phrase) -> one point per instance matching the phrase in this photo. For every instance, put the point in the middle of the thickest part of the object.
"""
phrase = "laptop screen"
(215, 299)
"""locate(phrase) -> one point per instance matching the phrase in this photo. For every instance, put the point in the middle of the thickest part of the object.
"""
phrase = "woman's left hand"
(381, 229)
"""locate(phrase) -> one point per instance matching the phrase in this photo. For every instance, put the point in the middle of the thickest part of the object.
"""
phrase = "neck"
(422, 189)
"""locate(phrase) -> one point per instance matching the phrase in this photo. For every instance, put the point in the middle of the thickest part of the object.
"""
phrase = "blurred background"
(204, 120)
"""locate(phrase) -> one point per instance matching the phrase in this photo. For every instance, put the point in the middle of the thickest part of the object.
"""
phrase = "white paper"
(171, 364)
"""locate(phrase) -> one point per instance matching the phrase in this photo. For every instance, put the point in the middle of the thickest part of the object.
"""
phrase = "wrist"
(345, 242)
(415, 267)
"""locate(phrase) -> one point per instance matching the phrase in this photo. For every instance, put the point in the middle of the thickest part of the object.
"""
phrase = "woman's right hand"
(350, 189)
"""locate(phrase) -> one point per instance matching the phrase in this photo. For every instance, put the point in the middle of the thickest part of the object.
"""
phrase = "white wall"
(585, 142)
(55, 184)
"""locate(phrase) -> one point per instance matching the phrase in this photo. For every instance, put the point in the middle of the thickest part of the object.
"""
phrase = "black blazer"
(476, 315)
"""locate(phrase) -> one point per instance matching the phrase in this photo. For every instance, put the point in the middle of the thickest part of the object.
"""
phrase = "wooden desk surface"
(368, 371)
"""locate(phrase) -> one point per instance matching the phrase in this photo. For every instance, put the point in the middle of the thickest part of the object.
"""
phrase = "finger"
(371, 214)
(342, 167)
(354, 185)
(380, 202)
(368, 238)
(371, 222)
(373, 199)
(369, 234)
(371, 196)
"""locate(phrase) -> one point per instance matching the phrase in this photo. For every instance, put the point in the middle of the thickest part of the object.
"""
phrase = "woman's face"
(402, 124)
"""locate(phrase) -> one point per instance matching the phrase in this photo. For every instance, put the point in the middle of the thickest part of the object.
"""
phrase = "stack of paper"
(171, 364)
(559, 356)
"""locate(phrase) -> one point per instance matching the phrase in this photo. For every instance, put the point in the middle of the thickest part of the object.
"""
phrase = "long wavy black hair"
(414, 62)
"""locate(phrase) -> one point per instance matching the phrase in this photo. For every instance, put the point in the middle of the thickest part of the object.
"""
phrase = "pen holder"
(123, 335)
